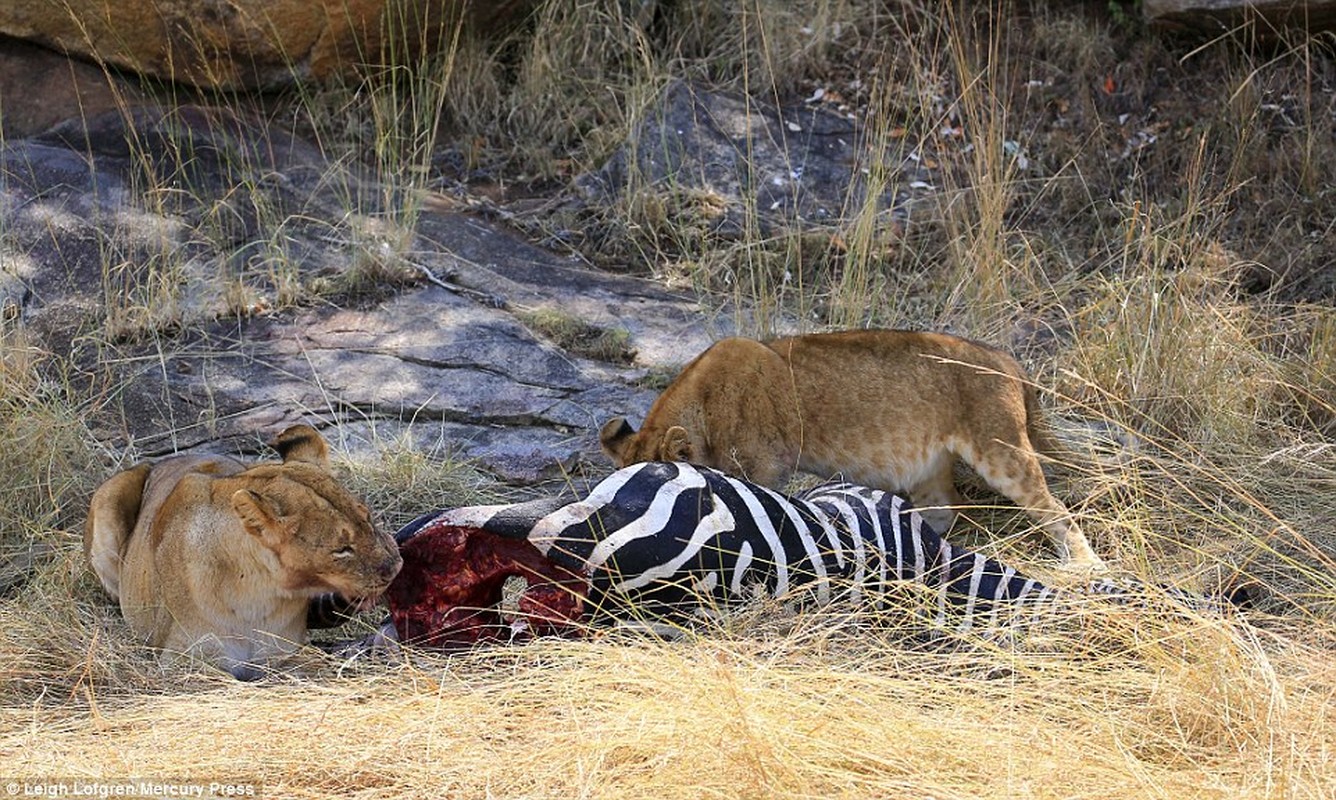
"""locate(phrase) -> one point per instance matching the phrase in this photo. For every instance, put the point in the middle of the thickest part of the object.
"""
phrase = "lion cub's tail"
(112, 514)
(1038, 428)
(1077, 441)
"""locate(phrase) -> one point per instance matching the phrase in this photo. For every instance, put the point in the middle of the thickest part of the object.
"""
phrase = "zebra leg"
(977, 584)
(968, 584)
(981, 588)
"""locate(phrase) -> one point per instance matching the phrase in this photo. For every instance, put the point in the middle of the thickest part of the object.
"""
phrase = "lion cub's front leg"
(935, 497)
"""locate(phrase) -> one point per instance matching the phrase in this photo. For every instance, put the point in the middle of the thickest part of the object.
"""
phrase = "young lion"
(213, 559)
(889, 409)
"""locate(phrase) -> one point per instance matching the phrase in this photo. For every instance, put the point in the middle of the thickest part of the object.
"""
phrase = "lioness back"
(885, 408)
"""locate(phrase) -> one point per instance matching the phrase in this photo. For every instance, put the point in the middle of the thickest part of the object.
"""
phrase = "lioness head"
(624, 445)
(323, 536)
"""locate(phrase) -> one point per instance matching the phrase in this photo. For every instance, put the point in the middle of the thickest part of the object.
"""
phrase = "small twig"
(486, 298)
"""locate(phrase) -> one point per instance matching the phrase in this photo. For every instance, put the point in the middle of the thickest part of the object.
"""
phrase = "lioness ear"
(676, 445)
(302, 443)
(614, 437)
(259, 518)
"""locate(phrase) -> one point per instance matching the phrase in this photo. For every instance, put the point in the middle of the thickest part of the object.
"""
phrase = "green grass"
(579, 337)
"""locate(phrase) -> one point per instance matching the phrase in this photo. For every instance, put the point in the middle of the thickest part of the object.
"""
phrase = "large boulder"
(1212, 17)
(40, 87)
(243, 44)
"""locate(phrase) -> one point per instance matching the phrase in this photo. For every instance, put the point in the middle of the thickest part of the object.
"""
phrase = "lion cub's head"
(625, 445)
(322, 535)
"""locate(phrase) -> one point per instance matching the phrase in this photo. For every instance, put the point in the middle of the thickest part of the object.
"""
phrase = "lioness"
(889, 409)
(215, 559)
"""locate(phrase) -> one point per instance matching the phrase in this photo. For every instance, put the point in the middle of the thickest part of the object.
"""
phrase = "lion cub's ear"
(615, 437)
(676, 445)
(260, 518)
(302, 443)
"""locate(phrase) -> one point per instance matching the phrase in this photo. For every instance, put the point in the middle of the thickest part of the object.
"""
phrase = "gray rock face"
(791, 165)
(120, 218)
(208, 277)
(1214, 17)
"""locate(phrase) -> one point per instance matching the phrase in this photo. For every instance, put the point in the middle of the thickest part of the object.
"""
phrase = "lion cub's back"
(897, 362)
(882, 392)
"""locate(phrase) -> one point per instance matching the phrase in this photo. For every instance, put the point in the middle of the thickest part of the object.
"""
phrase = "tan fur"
(218, 560)
(889, 409)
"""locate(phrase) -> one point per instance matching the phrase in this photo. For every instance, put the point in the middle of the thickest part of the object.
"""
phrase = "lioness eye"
(344, 552)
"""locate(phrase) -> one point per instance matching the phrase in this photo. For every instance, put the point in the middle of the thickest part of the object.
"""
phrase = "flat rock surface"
(788, 166)
(443, 357)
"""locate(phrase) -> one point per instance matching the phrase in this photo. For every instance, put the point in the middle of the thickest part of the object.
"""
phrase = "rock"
(790, 165)
(118, 217)
(40, 87)
(93, 208)
(239, 45)
(1213, 17)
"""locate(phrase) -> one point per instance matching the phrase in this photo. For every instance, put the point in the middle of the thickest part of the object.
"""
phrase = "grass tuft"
(580, 337)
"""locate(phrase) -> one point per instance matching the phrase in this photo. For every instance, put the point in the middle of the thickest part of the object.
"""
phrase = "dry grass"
(1181, 709)
(1162, 287)
(46, 449)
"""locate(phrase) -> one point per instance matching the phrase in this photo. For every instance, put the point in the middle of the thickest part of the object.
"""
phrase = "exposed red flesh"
(449, 590)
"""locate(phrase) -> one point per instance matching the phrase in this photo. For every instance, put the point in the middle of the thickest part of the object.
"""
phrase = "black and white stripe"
(664, 536)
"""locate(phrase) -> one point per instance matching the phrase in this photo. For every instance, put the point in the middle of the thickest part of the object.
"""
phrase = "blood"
(449, 591)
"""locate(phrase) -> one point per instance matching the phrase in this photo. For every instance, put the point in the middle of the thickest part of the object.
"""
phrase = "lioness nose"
(390, 567)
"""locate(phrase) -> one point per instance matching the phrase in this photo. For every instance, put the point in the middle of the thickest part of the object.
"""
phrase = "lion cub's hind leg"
(112, 515)
(1014, 471)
